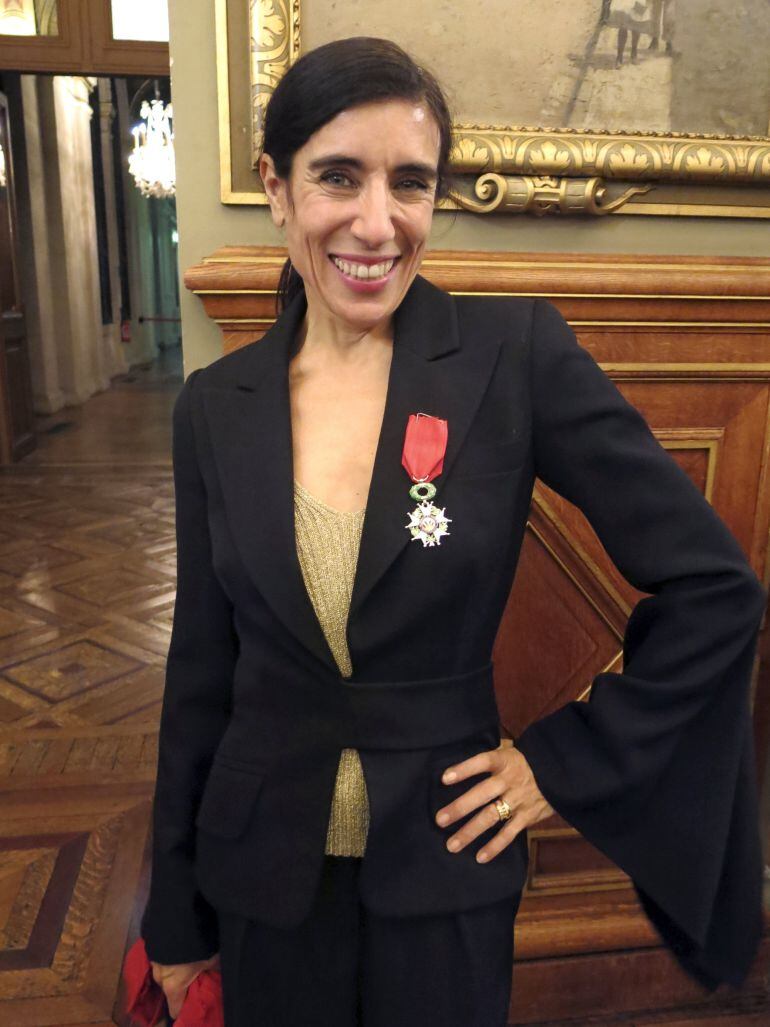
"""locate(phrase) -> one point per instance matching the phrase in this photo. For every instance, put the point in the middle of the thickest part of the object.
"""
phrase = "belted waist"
(420, 714)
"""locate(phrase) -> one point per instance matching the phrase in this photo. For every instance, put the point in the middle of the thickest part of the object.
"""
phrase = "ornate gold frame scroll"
(499, 169)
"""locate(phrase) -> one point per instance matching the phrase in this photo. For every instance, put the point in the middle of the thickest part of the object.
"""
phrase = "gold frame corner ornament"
(501, 169)
(542, 194)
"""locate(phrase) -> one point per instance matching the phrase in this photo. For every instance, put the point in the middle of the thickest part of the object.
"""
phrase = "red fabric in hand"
(146, 1003)
(202, 1006)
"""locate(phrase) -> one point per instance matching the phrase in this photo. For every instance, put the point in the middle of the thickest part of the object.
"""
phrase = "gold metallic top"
(327, 546)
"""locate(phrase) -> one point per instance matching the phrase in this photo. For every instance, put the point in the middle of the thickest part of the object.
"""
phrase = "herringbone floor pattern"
(87, 578)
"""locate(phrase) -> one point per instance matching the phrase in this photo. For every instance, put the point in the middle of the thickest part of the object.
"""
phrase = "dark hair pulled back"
(333, 78)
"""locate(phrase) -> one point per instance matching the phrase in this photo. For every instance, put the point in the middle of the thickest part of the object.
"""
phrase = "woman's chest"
(336, 425)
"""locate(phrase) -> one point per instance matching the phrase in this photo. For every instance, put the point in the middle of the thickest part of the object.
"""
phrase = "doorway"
(95, 257)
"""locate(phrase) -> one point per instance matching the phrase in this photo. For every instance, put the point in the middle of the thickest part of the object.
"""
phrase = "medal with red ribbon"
(423, 459)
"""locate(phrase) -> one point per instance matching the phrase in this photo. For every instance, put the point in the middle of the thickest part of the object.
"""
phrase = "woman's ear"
(275, 189)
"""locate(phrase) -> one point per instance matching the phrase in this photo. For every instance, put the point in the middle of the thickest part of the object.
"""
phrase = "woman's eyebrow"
(340, 160)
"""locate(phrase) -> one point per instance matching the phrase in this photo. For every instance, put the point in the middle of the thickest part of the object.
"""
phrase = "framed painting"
(593, 107)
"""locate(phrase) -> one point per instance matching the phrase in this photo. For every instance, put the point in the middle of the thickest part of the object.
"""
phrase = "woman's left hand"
(511, 779)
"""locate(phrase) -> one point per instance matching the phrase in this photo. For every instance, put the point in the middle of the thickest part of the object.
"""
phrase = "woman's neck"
(325, 339)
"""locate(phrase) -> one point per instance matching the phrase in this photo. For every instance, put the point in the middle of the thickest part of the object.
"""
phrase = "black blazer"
(656, 769)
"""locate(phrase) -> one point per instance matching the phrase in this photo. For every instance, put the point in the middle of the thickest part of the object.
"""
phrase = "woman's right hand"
(176, 979)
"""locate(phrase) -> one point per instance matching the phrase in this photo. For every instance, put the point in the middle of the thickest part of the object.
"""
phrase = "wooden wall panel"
(687, 341)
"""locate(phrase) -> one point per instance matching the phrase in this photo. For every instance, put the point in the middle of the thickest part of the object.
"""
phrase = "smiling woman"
(357, 207)
(356, 152)
(383, 133)
(376, 831)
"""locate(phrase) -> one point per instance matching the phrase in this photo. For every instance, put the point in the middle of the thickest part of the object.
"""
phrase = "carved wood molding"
(237, 286)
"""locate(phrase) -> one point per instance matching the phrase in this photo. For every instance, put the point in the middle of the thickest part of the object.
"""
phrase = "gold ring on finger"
(504, 811)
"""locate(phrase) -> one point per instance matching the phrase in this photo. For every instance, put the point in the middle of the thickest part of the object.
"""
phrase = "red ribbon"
(424, 447)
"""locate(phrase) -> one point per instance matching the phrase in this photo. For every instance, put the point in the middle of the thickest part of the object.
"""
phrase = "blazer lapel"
(250, 429)
(432, 373)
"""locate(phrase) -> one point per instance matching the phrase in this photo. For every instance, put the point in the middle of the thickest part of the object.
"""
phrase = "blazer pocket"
(502, 458)
(228, 800)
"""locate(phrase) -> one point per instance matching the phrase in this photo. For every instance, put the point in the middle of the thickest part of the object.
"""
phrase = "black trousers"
(346, 967)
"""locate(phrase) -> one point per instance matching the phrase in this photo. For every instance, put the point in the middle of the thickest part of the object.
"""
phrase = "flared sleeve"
(657, 768)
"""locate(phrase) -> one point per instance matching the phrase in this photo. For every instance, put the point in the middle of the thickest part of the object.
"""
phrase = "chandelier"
(152, 162)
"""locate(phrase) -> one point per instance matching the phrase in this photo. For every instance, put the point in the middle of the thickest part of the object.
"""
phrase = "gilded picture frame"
(501, 168)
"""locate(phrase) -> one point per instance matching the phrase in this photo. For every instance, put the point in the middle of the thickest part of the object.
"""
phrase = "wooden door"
(75, 37)
(17, 425)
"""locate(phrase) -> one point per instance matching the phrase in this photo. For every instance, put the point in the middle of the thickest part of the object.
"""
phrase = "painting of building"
(644, 66)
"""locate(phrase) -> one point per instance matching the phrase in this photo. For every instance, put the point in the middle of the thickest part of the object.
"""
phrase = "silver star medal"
(427, 522)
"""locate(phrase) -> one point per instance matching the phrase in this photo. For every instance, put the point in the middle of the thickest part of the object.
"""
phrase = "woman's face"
(357, 208)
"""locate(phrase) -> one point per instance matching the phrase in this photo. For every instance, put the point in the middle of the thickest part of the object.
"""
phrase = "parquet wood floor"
(87, 579)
